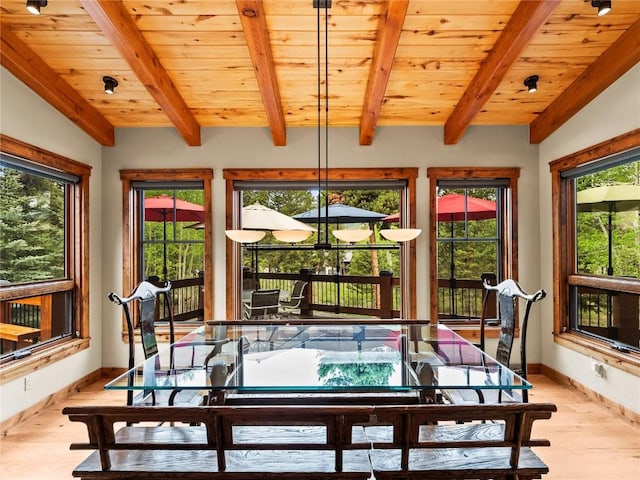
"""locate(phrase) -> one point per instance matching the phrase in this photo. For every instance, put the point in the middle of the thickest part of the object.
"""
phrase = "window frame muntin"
(509, 224)
(76, 258)
(130, 232)
(564, 254)
(407, 206)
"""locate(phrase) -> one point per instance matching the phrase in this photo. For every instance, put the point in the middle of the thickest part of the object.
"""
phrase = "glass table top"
(314, 356)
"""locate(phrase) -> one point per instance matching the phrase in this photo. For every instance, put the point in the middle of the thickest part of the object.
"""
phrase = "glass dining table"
(370, 359)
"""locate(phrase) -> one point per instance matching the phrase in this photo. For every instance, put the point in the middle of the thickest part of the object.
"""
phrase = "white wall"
(615, 111)
(252, 148)
(27, 117)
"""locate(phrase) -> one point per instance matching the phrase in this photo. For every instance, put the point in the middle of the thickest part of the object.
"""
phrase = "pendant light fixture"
(531, 82)
(110, 85)
(34, 6)
(603, 6)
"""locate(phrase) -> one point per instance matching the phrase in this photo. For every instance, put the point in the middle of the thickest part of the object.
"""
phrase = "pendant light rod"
(323, 192)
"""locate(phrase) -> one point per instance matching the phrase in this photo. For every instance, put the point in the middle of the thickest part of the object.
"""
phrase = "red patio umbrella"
(455, 207)
(165, 208)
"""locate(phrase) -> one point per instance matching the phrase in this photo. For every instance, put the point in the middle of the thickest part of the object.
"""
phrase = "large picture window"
(167, 238)
(597, 259)
(43, 263)
(472, 210)
(372, 277)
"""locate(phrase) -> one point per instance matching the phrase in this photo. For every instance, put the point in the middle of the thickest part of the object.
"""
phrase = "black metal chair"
(146, 295)
(294, 302)
(264, 304)
(508, 292)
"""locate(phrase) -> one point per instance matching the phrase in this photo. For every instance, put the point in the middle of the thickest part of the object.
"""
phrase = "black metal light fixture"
(603, 6)
(531, 82)
(33, 6)
(110, 84)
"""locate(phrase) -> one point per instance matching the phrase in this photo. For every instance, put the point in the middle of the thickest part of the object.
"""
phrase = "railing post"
(305, 305)
(201, 294)
(386, 294)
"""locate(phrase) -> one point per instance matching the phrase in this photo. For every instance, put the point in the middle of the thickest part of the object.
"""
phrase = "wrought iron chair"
(508, 292)
(146, 295)
(264, 304)
(294, 302)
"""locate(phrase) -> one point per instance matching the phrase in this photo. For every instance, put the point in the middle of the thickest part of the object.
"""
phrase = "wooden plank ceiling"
(212, 63)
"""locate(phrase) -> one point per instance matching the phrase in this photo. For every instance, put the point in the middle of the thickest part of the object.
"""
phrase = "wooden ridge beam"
(119, 27)
(389, 29)
(621, 56)
(257, 36)
(32, 70)
(525, 22)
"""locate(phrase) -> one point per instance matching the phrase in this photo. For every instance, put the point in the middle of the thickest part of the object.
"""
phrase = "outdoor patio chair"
(508, 292)
(294, 302)
(264, 304)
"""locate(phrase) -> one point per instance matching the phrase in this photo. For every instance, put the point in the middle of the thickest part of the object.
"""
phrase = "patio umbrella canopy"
(610, 199)
(259, 217)
(165, 208)
(454, 207)
(339, 213)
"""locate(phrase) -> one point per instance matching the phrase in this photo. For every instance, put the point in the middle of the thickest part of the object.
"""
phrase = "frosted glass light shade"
(352, 236)
(245, 236)
(400, 234)
(291, 236)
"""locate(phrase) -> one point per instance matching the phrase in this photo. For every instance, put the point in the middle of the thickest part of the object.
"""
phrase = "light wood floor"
(588, 442)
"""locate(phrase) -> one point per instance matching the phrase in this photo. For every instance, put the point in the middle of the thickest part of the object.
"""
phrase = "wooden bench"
(319, 442)
(18, 335)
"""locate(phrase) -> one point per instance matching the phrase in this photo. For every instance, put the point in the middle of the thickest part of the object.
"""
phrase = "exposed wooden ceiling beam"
(622, 55)
(526, 20)
(257, 36)
(31, 70)
(389, 29)
(114, 20)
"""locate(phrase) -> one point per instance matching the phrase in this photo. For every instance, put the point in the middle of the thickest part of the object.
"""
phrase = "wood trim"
(77, 252)
(388, 33)
(53, 160)
(48, 402)
(525, 22)
(564, 241)
(614, 408)
(256, 35)
(34, 72)
(118, 26)
(510, 227)
(619, 144)
(41, 358)
(621, 56)
(304, 174)
(130, 233)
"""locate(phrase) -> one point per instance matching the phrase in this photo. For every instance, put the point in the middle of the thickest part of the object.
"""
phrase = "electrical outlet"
(27, 383)
(598, 369)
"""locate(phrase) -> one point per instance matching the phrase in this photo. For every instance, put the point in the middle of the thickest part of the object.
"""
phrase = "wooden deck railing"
(357, 295)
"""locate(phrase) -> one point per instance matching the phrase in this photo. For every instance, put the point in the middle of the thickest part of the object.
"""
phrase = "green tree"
(32, 244)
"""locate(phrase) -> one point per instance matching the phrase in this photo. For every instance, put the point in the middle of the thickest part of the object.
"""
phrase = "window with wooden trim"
(596, 210)
(473, 232)
(43, 253)
(398, 184)
(167, 237)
